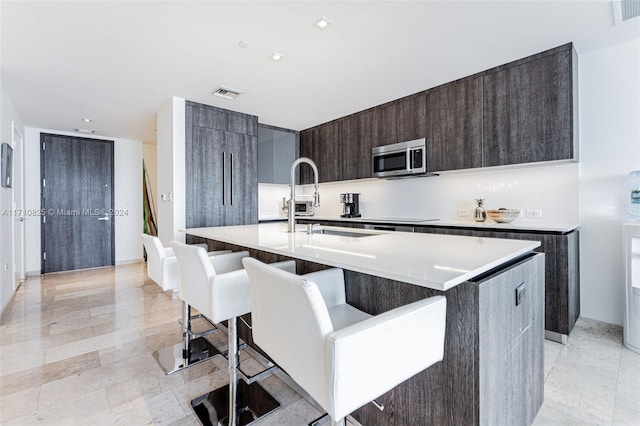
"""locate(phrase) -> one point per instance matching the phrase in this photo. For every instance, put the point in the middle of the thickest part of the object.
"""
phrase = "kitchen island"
(492, 371)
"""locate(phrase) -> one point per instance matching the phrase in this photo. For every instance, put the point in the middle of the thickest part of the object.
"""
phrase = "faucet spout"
(316, 195)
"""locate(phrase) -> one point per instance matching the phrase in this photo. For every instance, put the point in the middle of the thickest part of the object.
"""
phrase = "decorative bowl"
(503, 215)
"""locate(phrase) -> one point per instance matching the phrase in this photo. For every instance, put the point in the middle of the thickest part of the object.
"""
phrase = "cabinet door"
(329, 145)
(241, 181)
(384, 124)
(309, 147)
(355, 137)
(203, 177)
(528, 111)
(454, 126)
(411, 117)
(511, 347)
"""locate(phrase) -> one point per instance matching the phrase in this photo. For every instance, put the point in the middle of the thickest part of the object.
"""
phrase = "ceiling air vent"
(226, 92)
(626, 9)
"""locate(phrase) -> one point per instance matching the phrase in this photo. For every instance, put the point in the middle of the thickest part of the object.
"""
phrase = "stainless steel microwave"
(400, 159)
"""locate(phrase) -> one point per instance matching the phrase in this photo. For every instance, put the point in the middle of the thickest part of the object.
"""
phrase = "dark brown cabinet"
(528, 111)
(454, 125)
(562, 266)
(221, 184)
(342, 148)
(517, 113)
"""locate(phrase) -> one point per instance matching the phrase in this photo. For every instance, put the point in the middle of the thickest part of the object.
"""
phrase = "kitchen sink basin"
(341, 233)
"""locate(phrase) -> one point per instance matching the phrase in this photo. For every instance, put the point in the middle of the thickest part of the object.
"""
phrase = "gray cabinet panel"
(454, 125)
(241, 204)
(221, 185)
(511, 364)
(203, 180)
(528, 111)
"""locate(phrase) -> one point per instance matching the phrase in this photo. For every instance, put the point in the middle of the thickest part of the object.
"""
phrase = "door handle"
(104, 218)
(224, 181)
(231, 176)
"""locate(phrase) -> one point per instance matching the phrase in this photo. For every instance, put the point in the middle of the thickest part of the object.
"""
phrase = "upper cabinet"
(342, 148)
(454, 125)
(528, 110)
(521, 112)
(277, 150)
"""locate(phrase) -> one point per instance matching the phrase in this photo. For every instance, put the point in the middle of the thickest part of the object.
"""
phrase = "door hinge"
(43, 146)
(44, 219)
(44, 255)
(44, 183)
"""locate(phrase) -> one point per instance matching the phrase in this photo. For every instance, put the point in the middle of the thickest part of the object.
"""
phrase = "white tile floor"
(76, 349)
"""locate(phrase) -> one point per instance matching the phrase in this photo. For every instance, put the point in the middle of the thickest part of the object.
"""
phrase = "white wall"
(127, 191)
(150, 156)
(8, 119)
(171, 165)
(552, 188)
(609, 150)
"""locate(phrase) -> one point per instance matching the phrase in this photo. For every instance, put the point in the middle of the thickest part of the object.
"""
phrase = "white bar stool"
(162, 268)
(220, 290)
(331, 349)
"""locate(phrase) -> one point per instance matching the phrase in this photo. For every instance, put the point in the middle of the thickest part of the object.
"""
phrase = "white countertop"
(429, 260)
(516, 225)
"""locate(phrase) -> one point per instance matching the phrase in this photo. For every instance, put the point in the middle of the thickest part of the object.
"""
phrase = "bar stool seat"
(343, 358)
(162, 268)
(224, 293)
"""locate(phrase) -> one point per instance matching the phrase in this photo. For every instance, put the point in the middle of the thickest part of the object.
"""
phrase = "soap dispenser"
(480, 214)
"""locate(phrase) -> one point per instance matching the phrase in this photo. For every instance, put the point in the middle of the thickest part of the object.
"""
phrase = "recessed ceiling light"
(277, 56)
(323, 23)
(85, 131)
(87, 120)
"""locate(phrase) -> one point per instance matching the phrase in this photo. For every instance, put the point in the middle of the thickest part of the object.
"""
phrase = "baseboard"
(129, 261)
(30, 274)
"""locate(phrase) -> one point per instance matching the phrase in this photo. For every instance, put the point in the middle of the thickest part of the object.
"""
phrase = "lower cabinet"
(562, 268)
(511, 377)
(562, 272)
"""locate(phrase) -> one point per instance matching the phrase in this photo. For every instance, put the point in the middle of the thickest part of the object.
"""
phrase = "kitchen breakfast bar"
(492, 370)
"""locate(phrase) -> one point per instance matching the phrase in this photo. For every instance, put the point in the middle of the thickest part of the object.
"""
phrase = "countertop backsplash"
(551, 188)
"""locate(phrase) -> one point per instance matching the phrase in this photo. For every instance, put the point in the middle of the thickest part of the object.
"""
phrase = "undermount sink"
(341, 233)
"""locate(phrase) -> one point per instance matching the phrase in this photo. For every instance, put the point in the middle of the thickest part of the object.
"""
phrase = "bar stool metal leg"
(238, 403)
(193, 350)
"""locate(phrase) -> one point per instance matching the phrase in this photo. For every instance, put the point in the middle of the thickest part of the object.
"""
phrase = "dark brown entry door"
(77, 203)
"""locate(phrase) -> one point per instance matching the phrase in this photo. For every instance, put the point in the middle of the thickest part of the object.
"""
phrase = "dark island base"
(448, 393)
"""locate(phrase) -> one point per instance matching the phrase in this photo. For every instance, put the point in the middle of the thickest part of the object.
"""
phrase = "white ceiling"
(117, 62)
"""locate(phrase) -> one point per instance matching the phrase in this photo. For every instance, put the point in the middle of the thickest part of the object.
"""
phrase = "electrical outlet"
(463, 212)
(534, 214)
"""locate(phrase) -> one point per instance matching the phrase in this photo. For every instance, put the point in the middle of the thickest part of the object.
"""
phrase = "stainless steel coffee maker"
(350, 204)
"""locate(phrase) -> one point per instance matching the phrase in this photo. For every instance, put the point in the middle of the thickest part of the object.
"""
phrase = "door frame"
(18, 243)
(42, 207)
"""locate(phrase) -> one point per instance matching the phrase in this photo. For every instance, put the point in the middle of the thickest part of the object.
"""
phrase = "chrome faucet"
(292, 202)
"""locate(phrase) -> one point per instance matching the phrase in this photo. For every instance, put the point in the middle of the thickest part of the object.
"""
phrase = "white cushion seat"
(162, 266)
(333, 350)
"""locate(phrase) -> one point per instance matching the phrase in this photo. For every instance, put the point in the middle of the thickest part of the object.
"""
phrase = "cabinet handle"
(408, 159)
(231, 175)
(224, 181)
